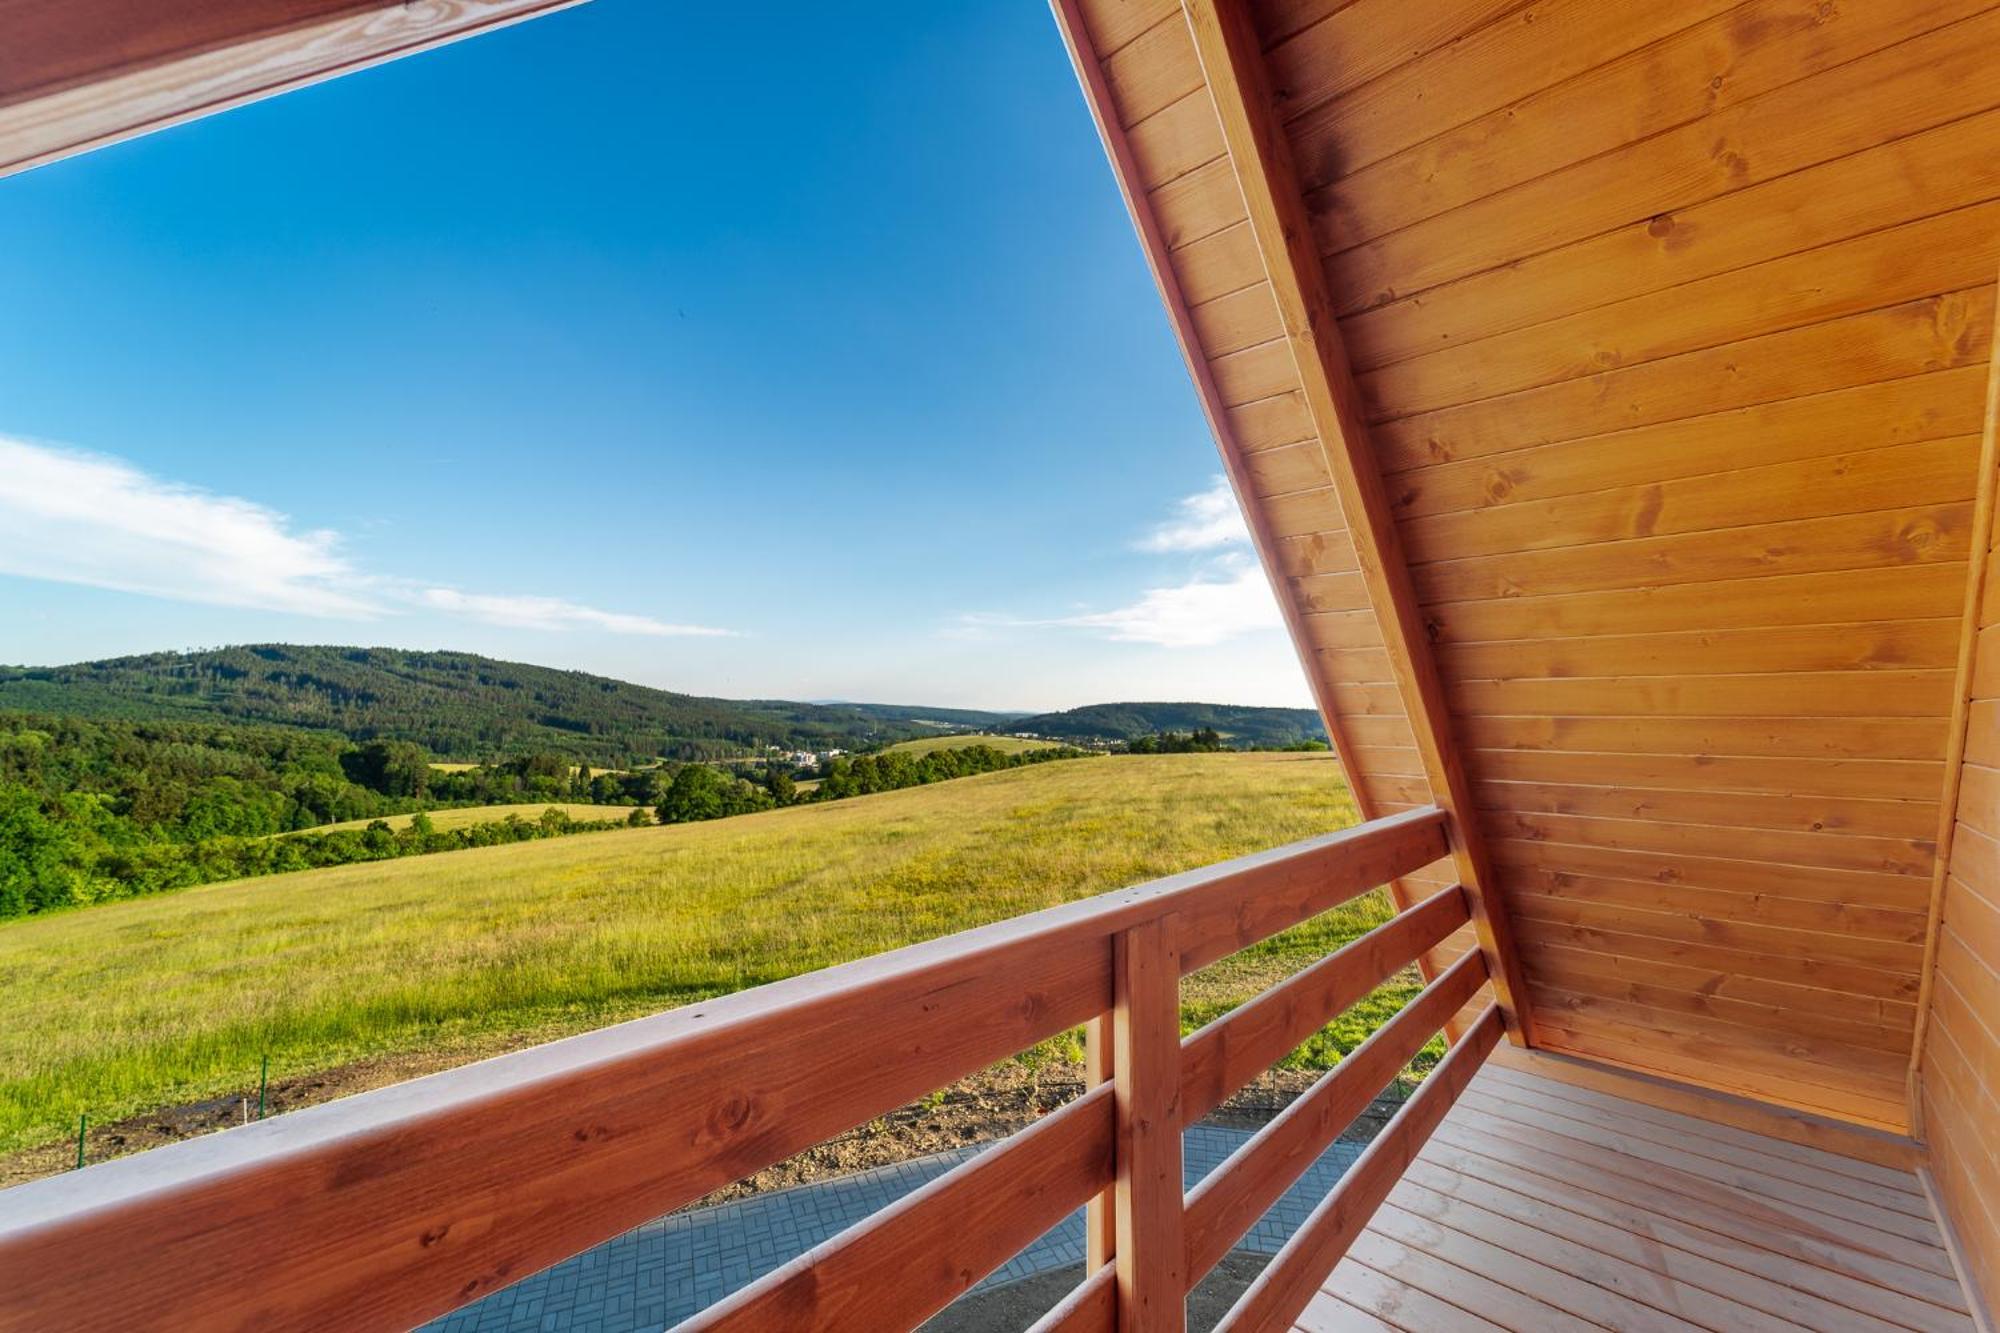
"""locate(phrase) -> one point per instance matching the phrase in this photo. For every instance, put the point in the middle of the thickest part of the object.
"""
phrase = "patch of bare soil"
(189, 1120)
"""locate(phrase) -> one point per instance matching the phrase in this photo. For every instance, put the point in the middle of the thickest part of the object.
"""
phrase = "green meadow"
(154, 1002)
(466, 816)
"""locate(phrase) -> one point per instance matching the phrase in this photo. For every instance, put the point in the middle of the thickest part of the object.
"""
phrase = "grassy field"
(1004, 744)
(482, 814)
(143, 1004)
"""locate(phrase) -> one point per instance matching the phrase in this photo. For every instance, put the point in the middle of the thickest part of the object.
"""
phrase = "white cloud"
(551, 613)
(1229, 599)
(74, 517)
(83, 518)
(1204, 610)
(1202, 522)
(1226, 596)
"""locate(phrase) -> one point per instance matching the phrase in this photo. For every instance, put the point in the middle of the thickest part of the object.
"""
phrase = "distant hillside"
(1122, 722)
(456, 705)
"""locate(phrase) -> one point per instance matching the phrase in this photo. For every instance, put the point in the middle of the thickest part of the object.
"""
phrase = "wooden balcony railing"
(391, 1207)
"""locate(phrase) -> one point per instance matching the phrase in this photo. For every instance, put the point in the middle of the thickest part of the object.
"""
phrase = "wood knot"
(732, 1115)
(1918, 536)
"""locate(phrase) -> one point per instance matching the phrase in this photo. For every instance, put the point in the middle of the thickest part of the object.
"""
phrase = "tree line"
(448, 702)
(1206, 740)
(92, 811)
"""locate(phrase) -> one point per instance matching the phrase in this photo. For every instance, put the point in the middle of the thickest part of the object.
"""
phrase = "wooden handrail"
(897, 1267)
(1235, 1048)
(1215, 1061)
(1091, 1307)
(397, 1205)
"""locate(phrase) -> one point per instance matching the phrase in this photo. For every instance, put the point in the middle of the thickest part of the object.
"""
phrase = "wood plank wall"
(1958, 1078)
(1672, 323)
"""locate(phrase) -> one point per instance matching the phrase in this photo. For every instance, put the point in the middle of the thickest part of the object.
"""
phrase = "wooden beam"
(1146, 1055)
(898, 1267)
(1125, 170)
(1233, 63)
(1961, 708)
(1100, 1235)
(80, 74)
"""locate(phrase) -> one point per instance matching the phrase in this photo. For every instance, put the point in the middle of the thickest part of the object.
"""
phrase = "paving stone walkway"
(660, 1273)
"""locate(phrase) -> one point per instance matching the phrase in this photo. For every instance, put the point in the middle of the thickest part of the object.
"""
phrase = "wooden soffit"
(80, 74)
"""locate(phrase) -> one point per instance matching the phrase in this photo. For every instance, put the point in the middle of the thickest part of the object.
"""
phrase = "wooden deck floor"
(1540, 1206)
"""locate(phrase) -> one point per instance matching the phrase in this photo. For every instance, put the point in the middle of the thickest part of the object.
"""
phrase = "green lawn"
(136, 1005)
(463, 816)
(1004, 744)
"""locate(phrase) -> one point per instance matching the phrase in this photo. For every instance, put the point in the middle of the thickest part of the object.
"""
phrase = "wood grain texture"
(1198, 245)
(1671, 328)
(1954, 1082)
(1145, 1057)
(1541, 1202)
(897, 1267)
(1239, 84)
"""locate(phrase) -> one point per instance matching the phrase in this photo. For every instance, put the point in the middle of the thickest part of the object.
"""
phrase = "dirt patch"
(190, 1120)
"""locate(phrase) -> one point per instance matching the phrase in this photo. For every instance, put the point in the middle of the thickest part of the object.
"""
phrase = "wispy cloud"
(1232, 599)
(1224, 597)
(75, 517)
(84, 518)
(1202, 522)
(553, 614)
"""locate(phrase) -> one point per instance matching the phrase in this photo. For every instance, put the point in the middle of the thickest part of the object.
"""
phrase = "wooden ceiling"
(1663, 331)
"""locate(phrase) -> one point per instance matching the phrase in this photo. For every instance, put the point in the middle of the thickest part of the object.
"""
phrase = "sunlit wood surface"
(1538, 1205)
(1670, 325)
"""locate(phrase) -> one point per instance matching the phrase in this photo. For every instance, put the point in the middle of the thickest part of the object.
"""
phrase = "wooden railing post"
(1100, 1224)
(1150, 1256)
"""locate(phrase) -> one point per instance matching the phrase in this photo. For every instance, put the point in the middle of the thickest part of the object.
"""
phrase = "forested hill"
(456, 705)
(1239, 726)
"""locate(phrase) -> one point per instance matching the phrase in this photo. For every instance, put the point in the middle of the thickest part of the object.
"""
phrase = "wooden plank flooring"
(1540, 1205)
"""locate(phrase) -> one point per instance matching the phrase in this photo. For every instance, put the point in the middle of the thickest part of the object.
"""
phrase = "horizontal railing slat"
(1288, 1282)
(1218, 922)
(1231, 1198)
(1235, 1048)
(897, 1267)
(400, 1204)
(1090, 1307)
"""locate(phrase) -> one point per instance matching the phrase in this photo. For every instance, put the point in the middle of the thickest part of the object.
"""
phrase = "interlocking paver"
(667, 1269)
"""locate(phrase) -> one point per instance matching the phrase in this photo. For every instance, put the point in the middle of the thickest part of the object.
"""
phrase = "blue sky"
(777, 353)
